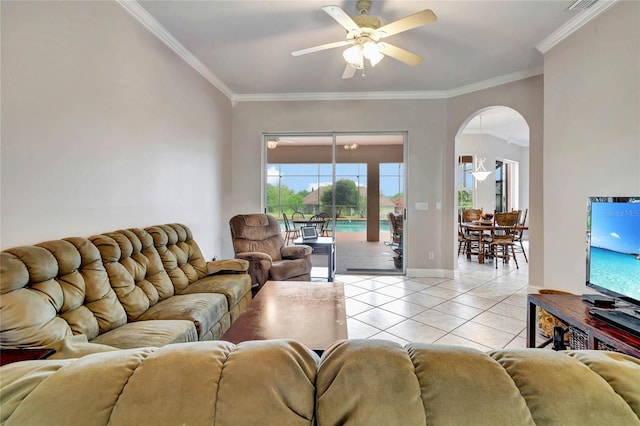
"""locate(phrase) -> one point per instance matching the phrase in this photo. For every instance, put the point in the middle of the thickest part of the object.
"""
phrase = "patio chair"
(320, 222)
(290, 232)
(327, 231)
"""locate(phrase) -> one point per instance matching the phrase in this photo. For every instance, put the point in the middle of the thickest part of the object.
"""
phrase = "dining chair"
(469, 215)
(503, 236)
(297, 215)
(468, 242)
(520, 234)
(290, 232)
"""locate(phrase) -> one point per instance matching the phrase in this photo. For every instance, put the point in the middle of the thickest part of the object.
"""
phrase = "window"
(306, 188)
(296, 187)
(465, 181)
(391, 188)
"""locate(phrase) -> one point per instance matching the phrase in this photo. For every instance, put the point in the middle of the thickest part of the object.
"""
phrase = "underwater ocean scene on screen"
(615, 247)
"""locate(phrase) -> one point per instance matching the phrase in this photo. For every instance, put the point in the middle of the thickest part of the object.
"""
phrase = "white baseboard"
(432, 273)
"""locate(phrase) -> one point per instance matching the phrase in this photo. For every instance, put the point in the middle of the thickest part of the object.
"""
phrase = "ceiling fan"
(364, 34)
(272, 142)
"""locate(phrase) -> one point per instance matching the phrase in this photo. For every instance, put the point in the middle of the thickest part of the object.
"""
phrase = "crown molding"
(574, 24)
(362, 96)
(493, 82)
(149, 22)
(337, 96)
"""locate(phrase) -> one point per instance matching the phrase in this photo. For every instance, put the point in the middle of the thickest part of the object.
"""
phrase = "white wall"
(525, 97)
(592, 134)
(432, 127)
(493, 148)
(103, 127)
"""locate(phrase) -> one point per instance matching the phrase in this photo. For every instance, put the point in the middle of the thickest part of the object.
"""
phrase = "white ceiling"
(244, 47)
(247, 44)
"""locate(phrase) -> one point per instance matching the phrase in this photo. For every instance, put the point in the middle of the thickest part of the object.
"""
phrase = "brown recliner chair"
(258, 239)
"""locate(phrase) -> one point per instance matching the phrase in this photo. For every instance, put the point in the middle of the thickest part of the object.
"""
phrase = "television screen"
(613, 237)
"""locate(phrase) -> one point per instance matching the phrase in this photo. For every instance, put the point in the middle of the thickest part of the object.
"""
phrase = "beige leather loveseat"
(358, 382)
(125, 289)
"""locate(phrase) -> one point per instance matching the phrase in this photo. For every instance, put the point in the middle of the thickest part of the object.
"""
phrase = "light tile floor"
(484, 308)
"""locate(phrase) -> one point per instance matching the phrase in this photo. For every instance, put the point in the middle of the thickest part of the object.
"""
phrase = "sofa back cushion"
(180, 254)
(54, 290)
(256, 233)
(135, 270)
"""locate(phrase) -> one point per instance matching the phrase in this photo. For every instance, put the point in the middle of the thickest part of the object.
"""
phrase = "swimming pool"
(352, 225)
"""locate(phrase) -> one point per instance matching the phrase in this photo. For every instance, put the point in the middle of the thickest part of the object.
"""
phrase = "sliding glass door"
(354, 179)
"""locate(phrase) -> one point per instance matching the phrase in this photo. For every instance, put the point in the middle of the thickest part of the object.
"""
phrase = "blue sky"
(616, 226)
(307, 176)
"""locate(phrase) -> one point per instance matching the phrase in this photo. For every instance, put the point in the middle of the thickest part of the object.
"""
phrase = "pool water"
(352, 225)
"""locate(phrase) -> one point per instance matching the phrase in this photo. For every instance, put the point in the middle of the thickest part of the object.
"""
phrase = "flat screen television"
(613, 257)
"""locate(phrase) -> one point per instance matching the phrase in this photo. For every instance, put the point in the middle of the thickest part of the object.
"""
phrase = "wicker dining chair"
(469, 215)
(503, 237)
(468, 242)
(520, 233)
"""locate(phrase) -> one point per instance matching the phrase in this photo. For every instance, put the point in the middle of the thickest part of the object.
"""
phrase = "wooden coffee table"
(312, 313)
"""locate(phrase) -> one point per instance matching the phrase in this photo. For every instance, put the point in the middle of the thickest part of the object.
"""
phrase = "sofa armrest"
(227, 265)
(296, 252)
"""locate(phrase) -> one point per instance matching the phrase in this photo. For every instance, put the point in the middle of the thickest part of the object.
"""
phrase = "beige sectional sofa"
(357, 382)
(124, 289)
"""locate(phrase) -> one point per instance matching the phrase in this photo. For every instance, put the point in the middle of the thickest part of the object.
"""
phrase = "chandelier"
(479, 172)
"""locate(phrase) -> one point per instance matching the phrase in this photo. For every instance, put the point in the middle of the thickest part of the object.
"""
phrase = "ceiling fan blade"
(400, 54)
(407, 23)
(341, 16)
(349, 72)
(321, 47)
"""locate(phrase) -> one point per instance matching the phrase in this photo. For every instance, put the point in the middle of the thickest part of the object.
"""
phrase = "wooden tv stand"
(575, 312)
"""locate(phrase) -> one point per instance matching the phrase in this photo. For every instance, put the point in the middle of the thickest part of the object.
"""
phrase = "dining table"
(486, 227)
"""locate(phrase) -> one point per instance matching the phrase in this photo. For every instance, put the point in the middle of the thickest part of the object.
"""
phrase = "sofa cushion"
(135, 269)
(180, 254)
(454, 383)
(376, 392)
(77, 346)
(203, 309)
(233, 286)
(570, 398)
(140, 334)
(53, 290)
(203, 383)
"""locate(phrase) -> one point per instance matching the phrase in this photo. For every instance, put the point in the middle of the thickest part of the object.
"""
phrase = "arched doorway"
(495, 139)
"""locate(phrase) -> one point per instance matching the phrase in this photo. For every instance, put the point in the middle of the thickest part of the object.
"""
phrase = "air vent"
(582, 4)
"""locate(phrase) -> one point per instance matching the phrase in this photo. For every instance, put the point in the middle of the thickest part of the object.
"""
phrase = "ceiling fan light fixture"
(371, 51)
(351, 147)
(353, 56)
(272, 144)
